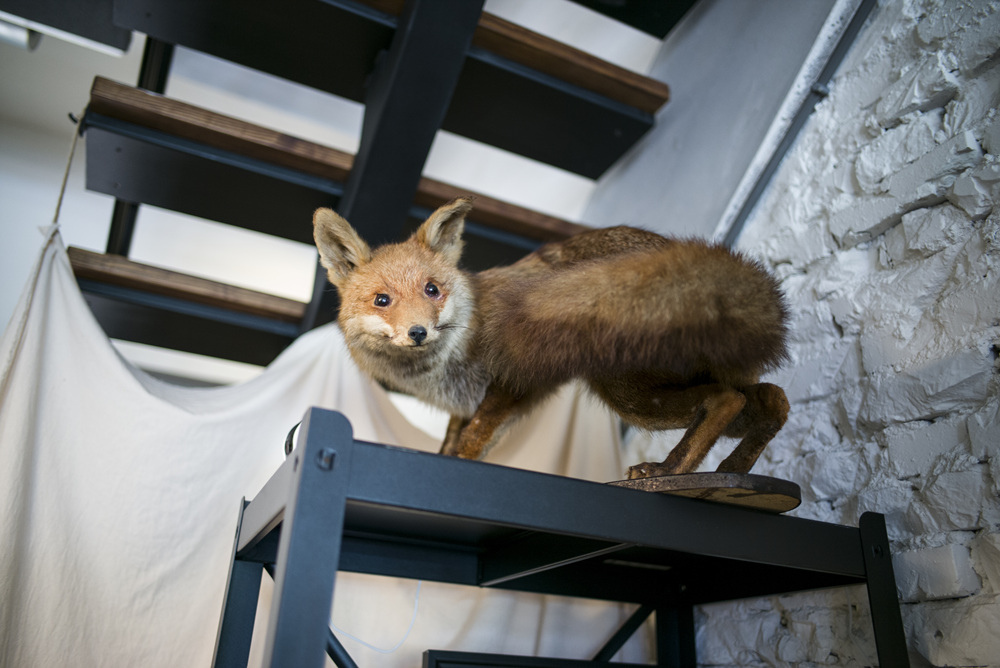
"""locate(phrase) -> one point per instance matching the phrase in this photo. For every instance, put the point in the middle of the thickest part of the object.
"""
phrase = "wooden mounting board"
(740, 489)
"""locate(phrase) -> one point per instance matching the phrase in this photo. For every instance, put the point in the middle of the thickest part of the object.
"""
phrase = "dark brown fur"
(597, 315)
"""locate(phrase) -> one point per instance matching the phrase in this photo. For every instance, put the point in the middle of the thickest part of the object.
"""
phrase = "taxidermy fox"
(668, 333)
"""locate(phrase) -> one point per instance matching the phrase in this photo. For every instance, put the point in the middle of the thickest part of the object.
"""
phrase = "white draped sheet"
(119, 494)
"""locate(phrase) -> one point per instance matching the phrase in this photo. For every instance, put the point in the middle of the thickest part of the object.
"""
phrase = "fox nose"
(418, 333)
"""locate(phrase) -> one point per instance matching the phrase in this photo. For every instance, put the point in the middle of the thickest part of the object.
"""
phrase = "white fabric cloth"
(119, 494)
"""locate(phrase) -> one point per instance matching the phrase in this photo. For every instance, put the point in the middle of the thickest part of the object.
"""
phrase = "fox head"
(400, 298)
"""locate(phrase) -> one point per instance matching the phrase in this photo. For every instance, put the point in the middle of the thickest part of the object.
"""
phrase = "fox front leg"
(455, 426)
(471, 438)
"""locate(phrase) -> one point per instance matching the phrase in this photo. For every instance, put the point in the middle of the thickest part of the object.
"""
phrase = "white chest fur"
(443, 374)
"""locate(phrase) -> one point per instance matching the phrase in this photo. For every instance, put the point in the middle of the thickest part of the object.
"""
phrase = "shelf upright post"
(308, 553)
(880, 579)
(232, 644)
(675, 636)
(405, 104)
(153, 74)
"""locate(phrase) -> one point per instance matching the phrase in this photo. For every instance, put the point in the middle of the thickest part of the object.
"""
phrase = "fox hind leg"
(706, 411)
(765, 414)
(711, 417)
(754, 413)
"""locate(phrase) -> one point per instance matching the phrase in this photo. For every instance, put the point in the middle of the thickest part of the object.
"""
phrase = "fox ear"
(442, 232)
(341, 250)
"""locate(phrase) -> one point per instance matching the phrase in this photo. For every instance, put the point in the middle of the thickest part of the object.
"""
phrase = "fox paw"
(649, 470)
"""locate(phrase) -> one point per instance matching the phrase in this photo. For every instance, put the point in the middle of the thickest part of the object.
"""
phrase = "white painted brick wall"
(986, 560)
(909, 281)
(935, 573)
(884, 224)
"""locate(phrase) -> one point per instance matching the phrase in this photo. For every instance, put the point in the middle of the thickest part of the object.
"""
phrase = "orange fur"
(669, 333)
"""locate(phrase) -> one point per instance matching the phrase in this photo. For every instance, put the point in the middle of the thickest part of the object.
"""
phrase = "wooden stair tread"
(569, 64)
(539, 52)
(180, 119)
(120, 271)
(518, 91)
(188, 121)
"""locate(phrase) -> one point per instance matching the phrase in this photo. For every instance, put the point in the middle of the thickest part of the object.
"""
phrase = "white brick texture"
(935, 573)
(884, 222)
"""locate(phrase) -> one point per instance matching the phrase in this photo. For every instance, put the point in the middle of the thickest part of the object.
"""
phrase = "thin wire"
(413, 620)
(65, 178)
(50, 234)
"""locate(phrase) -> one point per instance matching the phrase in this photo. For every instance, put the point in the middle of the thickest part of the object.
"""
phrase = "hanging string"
(413, 620)
(69, 165)
(17, 329)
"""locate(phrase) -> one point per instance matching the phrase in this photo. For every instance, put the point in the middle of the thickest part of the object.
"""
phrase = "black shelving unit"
(391, 511)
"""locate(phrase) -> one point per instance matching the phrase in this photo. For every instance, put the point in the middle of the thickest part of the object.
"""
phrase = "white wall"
(729, 65)
(884, 224)
(35, 137)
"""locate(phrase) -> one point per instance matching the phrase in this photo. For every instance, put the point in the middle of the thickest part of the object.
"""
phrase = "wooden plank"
(544, 54)
(117, 270)
(569, 64)
(184, 120)
(772, 495)
(334, 45)
(498, 214)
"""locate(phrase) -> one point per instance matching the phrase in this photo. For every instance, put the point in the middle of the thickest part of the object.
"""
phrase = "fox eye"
(432, 290)
(382, 299)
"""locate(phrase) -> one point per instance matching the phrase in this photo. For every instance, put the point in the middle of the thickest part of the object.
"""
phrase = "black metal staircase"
(418, 66)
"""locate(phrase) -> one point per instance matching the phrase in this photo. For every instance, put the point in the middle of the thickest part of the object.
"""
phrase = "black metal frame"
(443, 659)
(153, 74)
(128, 160)
(90, 19)
(332, 46)
(416, 73)
(157, 320)
(423, 63)
(385, 510)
